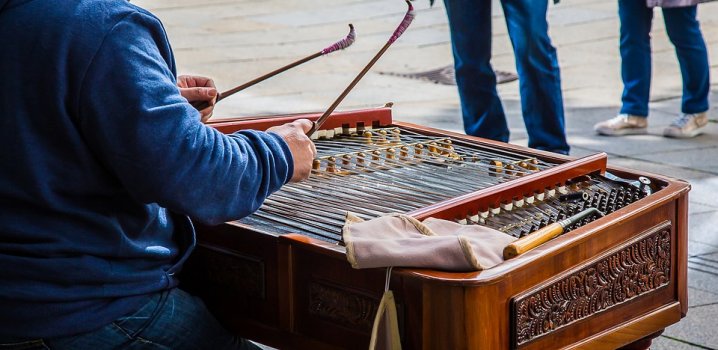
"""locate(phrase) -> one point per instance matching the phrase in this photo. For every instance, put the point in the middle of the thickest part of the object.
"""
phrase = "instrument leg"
(643, 343)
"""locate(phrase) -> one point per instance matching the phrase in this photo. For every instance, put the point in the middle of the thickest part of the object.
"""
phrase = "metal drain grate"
(447, 76)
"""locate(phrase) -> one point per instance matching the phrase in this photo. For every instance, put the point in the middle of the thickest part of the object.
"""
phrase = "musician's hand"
(303, 150)
(198, 90)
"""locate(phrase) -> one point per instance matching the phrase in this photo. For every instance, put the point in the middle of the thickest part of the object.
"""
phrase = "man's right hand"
(302, 148)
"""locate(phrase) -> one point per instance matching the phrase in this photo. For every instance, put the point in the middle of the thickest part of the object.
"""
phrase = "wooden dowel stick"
(339, 45)
(397, 33)
(346, 91)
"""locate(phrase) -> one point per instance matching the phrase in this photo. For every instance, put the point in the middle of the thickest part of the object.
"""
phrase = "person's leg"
(470, 25)
(635, 48)
(172, 319)
(685, 34)
(539, 76)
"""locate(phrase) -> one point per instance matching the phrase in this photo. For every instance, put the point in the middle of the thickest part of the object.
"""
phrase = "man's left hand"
(197, 90)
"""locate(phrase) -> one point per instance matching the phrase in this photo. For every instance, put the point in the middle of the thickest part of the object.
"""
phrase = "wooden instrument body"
(609, 283)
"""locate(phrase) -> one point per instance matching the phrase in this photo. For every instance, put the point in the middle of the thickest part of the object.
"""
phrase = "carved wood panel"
(233, 271)
(636, 268)
(337, 305)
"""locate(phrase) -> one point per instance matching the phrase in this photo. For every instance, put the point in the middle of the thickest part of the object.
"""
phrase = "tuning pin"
(375, 155)
(346, 161)
(645, 185)
(360, 159)
(396, 135)
(390, 153)
(403, 152)
(382, 137)
(418, 149)
(332, 165)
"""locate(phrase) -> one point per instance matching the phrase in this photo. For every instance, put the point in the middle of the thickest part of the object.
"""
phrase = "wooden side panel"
(635, 329)
(485, 311)
(235, 270)
(682, 252)
(331, 301)
(443, 317)
(635, 274)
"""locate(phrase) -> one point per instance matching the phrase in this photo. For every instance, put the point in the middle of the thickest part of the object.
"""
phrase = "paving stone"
(701, 158)
(694, 153)
(702, 280)
(575, 79)
(703, 191)
(700, 248)
(699, 208)
(698, 298)
(702, 227)
(650, 167)
(705, 263)
(571, 16)
(590, 99)
(698, 327)
(308, 16)
(577, 151)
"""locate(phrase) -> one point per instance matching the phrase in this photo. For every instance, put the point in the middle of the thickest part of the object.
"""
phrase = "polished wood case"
(604, 285)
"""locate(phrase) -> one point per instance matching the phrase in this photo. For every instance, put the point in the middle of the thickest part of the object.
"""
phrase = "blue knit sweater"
(102, 163)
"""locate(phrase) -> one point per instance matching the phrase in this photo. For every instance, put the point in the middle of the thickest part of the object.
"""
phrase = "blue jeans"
(685, 34)
(171, 319)
(536, 63)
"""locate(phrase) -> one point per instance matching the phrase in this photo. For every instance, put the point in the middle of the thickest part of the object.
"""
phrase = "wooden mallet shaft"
(339, 45)
(397, 33)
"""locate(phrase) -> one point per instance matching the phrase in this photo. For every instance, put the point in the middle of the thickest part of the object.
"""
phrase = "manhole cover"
(446, 75)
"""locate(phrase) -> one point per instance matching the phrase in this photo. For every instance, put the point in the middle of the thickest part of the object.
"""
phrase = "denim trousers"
(171, 319)
(684, 33)
(536, 63)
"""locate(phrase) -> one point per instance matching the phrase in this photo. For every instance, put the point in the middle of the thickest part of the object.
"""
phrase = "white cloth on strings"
(400, 240)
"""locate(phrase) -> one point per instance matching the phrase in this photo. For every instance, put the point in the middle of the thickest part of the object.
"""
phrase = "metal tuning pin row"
(517, 167)
(344, 131)
(529, 214)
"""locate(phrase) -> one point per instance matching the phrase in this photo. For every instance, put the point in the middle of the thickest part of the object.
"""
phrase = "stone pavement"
(234, 41)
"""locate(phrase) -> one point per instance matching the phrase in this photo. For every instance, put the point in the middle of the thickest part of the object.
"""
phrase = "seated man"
(104, 163)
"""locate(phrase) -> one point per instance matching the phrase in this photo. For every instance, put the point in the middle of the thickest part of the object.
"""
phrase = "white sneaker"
(687, 126)
(623, 124)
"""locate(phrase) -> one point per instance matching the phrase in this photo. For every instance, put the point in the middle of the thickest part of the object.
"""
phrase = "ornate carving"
(229, 270)
(346, 308)
(634, 269)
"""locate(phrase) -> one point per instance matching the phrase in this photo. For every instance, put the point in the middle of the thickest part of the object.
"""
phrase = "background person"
(685, 34)
(536, 63)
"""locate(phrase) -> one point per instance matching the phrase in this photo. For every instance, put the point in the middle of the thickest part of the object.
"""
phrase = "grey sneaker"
(687, 125)
(623, 124)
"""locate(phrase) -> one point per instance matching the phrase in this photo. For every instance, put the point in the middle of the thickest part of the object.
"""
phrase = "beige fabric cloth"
(400, 240)
(385, 332)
